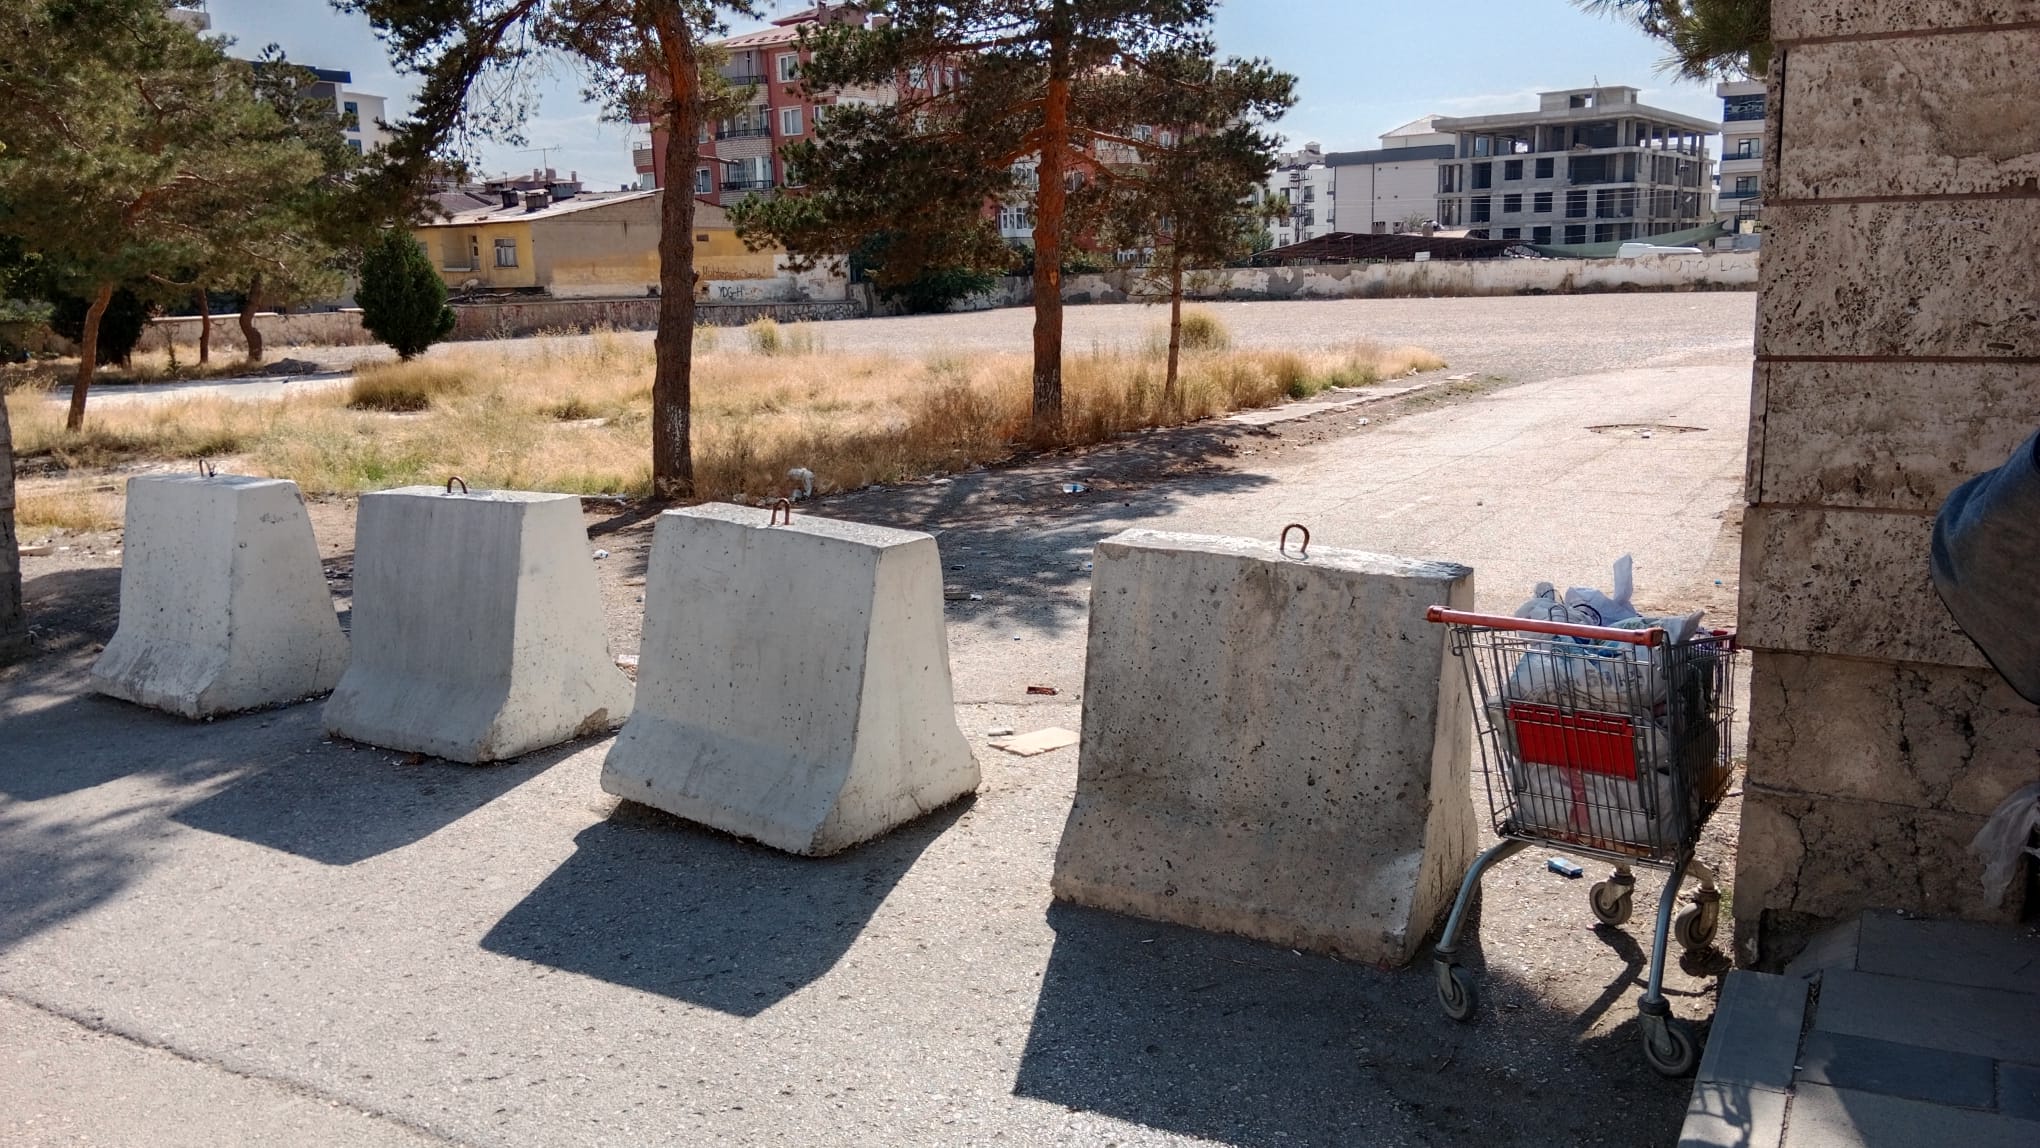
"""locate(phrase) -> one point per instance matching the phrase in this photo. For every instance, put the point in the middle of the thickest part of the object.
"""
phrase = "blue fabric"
(1986, 565)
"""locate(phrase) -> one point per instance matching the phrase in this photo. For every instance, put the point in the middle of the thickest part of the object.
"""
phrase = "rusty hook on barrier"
(785, 504)
(206, 469)
(1302, 551)
(453, 479)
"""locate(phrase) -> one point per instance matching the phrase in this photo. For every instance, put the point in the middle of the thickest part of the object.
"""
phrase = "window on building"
(789, 121)
(1481, 205)
(1746, 185)
(456, 255)
(506, 253)
(704, 181)
(350, 115)
(701, 237)
(1575, 233)
(355, 145)
(789, 67)
(1544, 167)
(917, 77)
(1016, 219)
(1512, 204)
(1448, 177)
(1540, 202)
(1540, 235)
(1143, 132)
(1748, 149)
(1512, 169)
(1512, 233)
(1483, 175)
(1576, 204)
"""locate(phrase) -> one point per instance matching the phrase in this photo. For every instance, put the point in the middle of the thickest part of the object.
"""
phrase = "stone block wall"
(1898, 352)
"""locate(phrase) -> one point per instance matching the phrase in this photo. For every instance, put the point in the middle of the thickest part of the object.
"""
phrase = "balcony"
(757, 79)
(1739, 193)
(641, 158)
(745, 134)
(747, 185)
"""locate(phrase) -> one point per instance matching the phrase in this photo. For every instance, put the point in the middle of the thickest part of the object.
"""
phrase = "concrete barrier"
(793, 685)
(223, 604)
(478, 627)
(1272, 746)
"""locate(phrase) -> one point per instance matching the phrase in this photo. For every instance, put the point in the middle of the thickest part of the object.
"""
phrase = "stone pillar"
(223, 604)
(478, 627)
(1898, 352)
(1275, 747)
(793, 686)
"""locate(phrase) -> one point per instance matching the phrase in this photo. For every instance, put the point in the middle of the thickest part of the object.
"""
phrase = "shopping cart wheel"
(1670, 1046)
(1611, 901)
(1455, 991)
(1695, 928)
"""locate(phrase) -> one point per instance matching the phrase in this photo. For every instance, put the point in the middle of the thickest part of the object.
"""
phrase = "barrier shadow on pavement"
(347, 803)
(654, 903)
(1238, 1042)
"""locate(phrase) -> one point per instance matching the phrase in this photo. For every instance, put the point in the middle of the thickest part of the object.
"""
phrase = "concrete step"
(1746, 1073)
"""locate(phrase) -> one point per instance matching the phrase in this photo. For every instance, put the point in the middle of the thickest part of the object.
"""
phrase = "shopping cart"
(1607, 743)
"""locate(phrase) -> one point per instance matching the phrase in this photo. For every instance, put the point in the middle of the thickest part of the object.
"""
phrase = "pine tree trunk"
(88, 358)
(673, 346)
(1051, 202)
(13, 621)
(249, 334)
(204, 327)
(1175, 328)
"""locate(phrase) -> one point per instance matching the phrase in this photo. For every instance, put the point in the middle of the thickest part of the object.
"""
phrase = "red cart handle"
(1655, 636)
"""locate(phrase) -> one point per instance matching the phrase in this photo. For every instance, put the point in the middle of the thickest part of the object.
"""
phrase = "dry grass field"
(576, 418)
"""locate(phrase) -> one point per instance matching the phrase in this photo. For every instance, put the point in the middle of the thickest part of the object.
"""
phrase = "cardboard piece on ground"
(1040, 741)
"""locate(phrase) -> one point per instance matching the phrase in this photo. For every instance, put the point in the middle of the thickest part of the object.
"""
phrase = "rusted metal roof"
(1358, 247)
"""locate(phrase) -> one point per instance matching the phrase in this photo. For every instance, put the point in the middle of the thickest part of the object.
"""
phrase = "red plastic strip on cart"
(1595, 743)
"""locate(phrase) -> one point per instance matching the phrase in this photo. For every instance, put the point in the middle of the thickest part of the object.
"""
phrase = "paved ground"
(341, 947)
(1887, 1032)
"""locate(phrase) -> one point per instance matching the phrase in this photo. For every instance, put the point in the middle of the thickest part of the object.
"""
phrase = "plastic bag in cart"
(1598, 793)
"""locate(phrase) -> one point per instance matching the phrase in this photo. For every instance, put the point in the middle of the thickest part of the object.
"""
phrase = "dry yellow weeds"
(575, 416)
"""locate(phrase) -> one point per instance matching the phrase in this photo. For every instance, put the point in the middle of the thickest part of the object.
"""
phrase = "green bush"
(403, 300)
(934, 290)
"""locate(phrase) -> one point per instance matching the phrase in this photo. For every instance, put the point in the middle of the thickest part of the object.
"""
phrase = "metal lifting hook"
(1302, 551)
(785, 504)
(458, 479)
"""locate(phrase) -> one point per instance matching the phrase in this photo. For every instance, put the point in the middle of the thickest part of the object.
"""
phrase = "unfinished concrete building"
(1589, 166)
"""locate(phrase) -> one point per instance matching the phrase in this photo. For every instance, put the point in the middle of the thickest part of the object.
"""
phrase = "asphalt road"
(344, 949)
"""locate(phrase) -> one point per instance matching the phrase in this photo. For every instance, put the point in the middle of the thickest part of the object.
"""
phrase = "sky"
(1363, 67)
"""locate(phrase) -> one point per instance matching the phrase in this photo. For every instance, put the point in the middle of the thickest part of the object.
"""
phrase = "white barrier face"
(1274, 747)
(793, 685)
(478, 627)
(223, 603)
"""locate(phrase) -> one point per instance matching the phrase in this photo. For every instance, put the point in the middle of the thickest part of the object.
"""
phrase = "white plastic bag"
(2003, 840)
(1607, 609)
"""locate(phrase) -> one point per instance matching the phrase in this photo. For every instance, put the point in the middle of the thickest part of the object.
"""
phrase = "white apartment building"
(1738, 197)
(361, 114)
(1588, 166)
(1302, 180)
(1392, 188)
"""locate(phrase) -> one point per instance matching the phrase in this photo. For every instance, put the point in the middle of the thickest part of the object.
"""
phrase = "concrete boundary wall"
(475, 321)
(1713, 271)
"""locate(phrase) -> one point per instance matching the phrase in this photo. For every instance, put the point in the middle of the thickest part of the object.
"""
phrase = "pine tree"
(1188, 192)
(403, 300)
(1041, 102)
(647, 56)
(1708, 38)
(132, 143)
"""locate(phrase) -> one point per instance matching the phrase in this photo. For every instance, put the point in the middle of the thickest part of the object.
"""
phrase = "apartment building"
(1306, 184)
(361, 113)
(1392, 188)
(739, 156)
(1589, 166)
(1738, 199)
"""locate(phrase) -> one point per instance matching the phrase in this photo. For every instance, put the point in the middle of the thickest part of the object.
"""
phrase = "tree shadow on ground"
(1243, 1043)
(654, 903)
(1014, 536)
(71, 612)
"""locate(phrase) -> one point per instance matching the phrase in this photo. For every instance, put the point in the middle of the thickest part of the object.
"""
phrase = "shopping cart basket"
(1607, 743)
